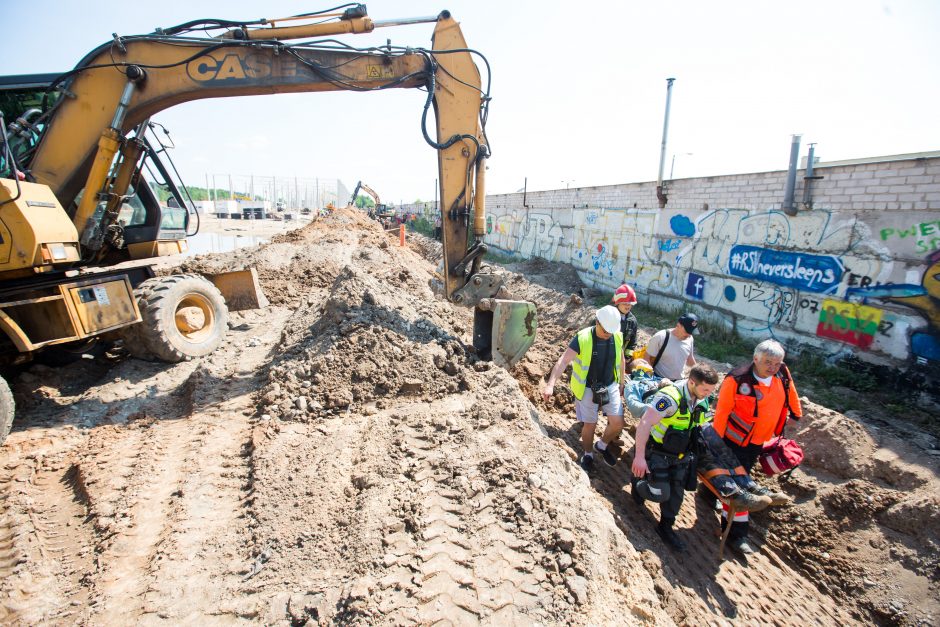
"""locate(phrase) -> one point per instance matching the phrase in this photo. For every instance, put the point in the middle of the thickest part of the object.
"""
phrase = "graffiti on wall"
(818, 274)
(537, 235)
(848, 322)
(926, 235)
(923, 299)
(814, 273)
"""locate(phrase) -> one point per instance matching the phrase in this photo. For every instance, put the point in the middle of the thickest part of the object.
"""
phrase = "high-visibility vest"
(681, 421)
(743, 416)
(581, 363)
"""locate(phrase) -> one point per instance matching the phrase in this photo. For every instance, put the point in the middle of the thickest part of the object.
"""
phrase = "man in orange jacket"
(754, 402)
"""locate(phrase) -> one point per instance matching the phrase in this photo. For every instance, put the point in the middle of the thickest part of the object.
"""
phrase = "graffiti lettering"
(921, 232)
(857, 279)
(814, 273)
(667, 245)
(924, 229)
(923, 246)
(808, 303)
(884, 326)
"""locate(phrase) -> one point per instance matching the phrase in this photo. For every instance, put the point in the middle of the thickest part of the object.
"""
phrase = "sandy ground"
(344, 458)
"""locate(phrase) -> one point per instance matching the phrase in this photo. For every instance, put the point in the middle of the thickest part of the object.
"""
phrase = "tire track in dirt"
(460, 564)
(203, 549)
(45, 548)
(131, 503)
(168, 505)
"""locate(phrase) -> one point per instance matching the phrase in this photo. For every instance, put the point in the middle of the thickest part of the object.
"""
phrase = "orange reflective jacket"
(749, 412)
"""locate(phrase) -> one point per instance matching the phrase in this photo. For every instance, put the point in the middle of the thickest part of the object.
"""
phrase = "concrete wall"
(855, 271)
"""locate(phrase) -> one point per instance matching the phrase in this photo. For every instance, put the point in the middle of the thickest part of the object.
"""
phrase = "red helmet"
(625, 295)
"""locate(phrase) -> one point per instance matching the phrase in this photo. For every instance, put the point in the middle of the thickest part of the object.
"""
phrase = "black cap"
(689, 322)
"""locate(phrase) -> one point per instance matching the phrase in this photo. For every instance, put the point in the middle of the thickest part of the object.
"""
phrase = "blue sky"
(578, 89)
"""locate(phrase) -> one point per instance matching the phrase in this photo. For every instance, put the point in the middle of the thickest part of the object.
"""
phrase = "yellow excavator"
(75, 200)
(380, 212)
(379, 207)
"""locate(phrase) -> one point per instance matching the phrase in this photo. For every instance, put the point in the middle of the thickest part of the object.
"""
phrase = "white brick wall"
(867, 219)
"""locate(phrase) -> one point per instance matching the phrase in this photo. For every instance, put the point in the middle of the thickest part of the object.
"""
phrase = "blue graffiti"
(730, 293)
(591, 218)
(682, 226)
(814, 273)
(666, 245)
(695, 286)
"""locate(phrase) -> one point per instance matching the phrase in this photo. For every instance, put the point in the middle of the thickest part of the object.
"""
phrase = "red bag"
(780, 455)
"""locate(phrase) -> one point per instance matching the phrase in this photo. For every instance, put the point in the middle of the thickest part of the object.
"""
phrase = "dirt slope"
(344, 459)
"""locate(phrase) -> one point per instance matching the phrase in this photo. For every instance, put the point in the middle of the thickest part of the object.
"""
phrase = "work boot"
(587, 462)
(672, 540)
(748, 502)
(742, 546)
(776, 498)
(608, 455)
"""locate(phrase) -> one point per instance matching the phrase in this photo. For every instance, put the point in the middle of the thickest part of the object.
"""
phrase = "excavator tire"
(131, 336)
(184, 316)
(7, 409)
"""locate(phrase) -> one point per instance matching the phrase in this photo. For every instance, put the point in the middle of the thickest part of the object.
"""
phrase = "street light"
(673, 166)
(568, 183)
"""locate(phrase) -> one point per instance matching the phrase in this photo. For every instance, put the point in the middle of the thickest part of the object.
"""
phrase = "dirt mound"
(416, 475)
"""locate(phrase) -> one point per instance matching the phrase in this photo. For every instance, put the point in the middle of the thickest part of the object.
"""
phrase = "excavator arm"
(86, 158)
(379, 207)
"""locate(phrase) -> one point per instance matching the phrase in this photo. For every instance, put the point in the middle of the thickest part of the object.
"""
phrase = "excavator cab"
(154, 216)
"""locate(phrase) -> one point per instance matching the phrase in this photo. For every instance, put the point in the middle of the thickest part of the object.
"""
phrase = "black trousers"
(664, 484)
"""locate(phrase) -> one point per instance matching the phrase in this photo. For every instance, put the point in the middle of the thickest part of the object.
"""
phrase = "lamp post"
(568, 183)
(672, 168)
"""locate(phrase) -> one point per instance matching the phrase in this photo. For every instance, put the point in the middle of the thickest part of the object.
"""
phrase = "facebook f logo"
(695, 286)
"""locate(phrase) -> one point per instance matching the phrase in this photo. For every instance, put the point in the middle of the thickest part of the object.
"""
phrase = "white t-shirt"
(672, 363)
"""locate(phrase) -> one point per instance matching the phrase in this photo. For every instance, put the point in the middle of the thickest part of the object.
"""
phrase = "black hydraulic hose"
(12, 161)
(342, 6)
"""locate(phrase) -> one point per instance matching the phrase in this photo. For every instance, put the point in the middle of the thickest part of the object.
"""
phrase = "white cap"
(609, 317)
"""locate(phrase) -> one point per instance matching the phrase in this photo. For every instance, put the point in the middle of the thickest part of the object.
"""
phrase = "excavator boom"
(117, 88)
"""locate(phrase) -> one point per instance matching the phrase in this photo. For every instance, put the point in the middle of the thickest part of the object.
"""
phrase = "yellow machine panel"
(36, 231)
(159, 248)
(102, 306)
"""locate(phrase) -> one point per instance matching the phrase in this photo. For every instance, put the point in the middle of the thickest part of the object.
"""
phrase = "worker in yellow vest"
(597, 376)
(665, 438)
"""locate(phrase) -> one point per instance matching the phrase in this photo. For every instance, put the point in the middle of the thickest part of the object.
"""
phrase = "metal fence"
(286, 192)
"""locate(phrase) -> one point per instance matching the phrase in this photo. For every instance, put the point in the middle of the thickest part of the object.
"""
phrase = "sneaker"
(587, 462)
(742, 546)
(776, 498)
(672, 540)
(748, 501)
(608, 455)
